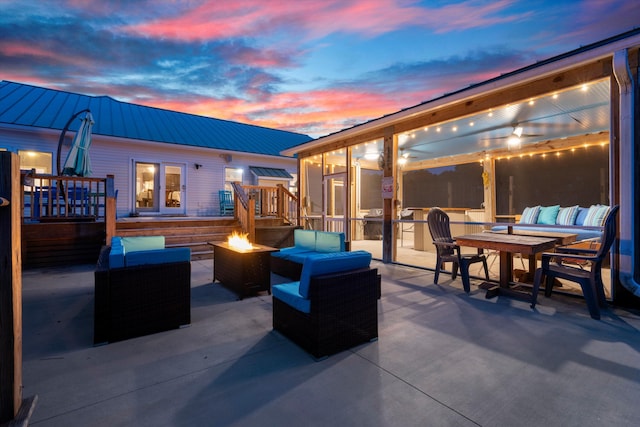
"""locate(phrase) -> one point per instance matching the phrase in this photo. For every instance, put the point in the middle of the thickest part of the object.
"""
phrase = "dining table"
(507, 245)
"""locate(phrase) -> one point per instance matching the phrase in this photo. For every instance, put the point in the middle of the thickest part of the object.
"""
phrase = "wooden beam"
(10, 289)
(542, 147)
(110, 210)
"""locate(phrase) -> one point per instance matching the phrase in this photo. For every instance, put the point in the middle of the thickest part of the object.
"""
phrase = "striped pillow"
(596, 215)
(567, 216)
(530, 215)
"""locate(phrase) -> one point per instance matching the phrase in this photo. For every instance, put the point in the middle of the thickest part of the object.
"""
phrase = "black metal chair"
(448, 251)
(590, 279)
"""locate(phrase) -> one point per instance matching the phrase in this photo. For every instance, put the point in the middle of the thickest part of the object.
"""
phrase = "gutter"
(628, 196)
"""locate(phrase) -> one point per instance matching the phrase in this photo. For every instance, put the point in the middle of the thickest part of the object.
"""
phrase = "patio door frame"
(172, 198)
(331, 221)
(161, 194)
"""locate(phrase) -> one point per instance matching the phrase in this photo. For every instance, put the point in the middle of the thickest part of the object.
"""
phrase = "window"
(41, 162)
(232, 175)
(456, 186)
(578, 176)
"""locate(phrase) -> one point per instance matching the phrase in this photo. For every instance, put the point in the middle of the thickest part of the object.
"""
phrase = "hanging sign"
(387, 187)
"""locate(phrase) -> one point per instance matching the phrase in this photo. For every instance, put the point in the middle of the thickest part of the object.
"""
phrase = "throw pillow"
(548, 214)
(596, 215)
(530, 215)
(567, 216)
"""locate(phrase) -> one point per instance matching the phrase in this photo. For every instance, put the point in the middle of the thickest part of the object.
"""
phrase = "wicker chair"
(448, 251)
(139, 300)
(344, 313)
(590, 279)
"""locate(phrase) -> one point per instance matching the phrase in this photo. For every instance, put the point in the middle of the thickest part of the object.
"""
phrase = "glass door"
(172, 196)
(335, 197)
(160, 188)
(147, 183)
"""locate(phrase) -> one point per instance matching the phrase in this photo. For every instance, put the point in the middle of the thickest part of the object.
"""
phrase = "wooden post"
(389, 205)
(280, 200)
(251, 219)
(11, 404)
(109, 210)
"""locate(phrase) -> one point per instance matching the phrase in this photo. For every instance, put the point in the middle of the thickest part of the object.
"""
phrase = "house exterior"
(163, 162)
(559, 132)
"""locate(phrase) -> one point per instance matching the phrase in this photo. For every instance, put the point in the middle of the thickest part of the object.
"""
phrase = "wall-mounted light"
(197, 165)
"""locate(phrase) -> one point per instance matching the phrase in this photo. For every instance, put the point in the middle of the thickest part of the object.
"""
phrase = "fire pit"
(242, 266)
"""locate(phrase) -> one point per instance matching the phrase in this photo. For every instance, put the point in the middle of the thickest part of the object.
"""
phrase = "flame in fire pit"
(240, 241)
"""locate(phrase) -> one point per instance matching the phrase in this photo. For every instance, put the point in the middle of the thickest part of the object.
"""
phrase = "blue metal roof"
(27, 105)
(270, 172)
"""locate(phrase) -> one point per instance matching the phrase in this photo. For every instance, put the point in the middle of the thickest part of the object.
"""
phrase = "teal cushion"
(548, 214)
(596, 215)
(287, 253)
(327, 241)
(305, 239)
(299, 257)
(332, 262)
(530, 215)
(142, 243)
(289, 294)
(567, 216)
(116, 254)
(157, 256)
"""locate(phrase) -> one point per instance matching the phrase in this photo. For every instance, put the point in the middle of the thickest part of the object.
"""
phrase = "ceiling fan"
(514, 139)
(404, 156)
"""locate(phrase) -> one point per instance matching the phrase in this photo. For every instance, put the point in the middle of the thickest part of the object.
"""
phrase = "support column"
(389, 204)
(12, 406)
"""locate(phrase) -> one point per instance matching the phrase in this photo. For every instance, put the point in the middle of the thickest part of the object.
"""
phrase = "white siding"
(115, 156)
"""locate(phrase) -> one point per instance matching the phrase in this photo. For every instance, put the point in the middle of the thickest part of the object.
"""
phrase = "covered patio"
(442, 358)
(559, 133)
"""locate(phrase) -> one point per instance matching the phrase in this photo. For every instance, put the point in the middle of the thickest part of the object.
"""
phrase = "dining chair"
(569, 263)
(448, 251)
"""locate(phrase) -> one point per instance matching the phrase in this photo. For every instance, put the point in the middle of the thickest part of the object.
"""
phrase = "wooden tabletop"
(526, 245)
(561, 238)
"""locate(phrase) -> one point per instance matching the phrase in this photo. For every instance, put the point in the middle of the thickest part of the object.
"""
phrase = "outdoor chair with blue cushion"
(333, 307)
(288, 261)
(141, 287)
(448, 251)
(557, 265)
(226, 202)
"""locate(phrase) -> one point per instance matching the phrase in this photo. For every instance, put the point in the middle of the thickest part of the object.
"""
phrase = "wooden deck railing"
(50, 198)
(274, 201)
(254, 200)
(245, 211)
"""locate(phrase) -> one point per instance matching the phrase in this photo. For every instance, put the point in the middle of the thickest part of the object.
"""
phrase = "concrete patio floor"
(443, 358)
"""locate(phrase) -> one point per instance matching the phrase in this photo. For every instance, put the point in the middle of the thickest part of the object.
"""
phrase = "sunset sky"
(308, 66)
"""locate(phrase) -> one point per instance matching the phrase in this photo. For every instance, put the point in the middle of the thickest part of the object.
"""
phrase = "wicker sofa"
(141, 288)
(288, 261)
(334, 305)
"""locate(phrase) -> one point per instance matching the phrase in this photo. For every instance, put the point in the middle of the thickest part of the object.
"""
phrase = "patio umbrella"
(78, 162)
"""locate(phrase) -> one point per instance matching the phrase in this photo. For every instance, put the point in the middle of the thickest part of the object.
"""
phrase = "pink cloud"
(13, 49)
(315, 19)
(326, 110)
